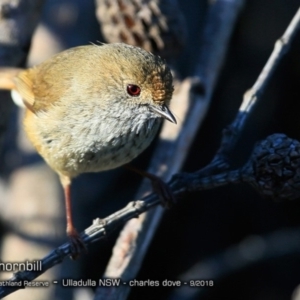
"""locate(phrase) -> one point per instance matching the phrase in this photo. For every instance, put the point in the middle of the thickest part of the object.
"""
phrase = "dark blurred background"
(204, 225)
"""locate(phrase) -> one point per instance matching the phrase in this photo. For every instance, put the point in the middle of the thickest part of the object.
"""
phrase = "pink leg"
(74, 238)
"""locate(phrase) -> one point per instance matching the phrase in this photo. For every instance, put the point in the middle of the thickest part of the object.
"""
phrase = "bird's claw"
(76, 243)
(164, 192)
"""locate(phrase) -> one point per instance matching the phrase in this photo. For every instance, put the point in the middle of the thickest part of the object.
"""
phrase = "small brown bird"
(91, 108)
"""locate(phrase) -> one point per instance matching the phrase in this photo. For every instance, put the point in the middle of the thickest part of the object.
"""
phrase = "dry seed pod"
(157, 26)
(275, 167)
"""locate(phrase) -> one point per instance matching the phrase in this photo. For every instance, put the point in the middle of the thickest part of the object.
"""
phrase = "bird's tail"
(6, 78)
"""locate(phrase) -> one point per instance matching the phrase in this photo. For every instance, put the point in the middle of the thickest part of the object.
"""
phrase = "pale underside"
(103, 142)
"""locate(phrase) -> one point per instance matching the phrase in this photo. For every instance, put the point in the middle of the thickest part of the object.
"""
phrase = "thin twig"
(179, 184)
(253, 95)
(101, 228)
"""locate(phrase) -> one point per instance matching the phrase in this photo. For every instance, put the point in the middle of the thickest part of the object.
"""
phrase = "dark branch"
(252, 96)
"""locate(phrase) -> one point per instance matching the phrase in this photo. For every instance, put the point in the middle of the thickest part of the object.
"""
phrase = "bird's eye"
(133, 90)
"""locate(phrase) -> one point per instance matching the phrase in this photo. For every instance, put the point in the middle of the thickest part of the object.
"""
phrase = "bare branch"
(252, 96)
(180, 184)
(101, 228)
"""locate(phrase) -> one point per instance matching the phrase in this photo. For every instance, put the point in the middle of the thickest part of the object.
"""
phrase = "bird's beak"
(164, 112)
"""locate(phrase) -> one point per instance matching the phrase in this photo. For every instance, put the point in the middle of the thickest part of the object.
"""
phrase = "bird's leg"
(75, 239)
(159, 186)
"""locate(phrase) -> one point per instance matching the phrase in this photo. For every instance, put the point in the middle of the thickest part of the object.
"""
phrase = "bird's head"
(142, 78)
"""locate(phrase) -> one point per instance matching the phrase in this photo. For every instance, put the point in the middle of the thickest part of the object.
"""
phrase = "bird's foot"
(159, 186)
(163, 190)
(76, 242)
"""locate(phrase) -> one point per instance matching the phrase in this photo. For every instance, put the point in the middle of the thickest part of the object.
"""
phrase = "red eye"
(133, 90)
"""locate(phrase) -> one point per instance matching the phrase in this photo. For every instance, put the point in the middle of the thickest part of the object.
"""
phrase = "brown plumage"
(92, 108)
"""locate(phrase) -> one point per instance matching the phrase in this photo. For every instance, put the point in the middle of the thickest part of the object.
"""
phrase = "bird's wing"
(40, 87)
(24, 86)
(17, 79)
